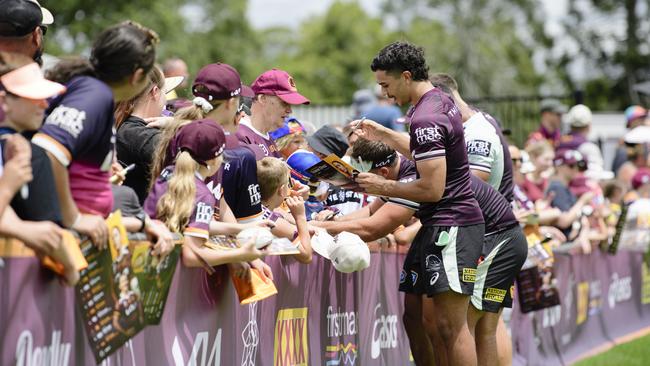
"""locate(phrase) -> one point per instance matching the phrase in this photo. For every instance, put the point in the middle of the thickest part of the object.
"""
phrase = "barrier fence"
(318, 317)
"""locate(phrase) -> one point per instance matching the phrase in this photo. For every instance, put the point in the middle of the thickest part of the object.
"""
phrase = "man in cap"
(275, 93)
(579, 118)
(23, 23)
(551, 111)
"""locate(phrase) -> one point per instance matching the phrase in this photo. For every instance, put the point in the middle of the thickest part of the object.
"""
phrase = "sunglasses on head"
(517, 160)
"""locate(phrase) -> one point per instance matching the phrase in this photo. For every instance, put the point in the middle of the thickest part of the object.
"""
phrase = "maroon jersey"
(437, 131)
(204, 202)
(247, 134)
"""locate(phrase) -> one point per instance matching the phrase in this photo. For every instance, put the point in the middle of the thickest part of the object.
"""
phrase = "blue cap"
(291, 126)
(300, 161)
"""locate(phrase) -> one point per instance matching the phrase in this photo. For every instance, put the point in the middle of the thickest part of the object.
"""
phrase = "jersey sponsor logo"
(469, 274)
(203, 213)
(495, 294)
(69, 119)
(424, 135)
(291, 345)
(479, 147)
(254, 194)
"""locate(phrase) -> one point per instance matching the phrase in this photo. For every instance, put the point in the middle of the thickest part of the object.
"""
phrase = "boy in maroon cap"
(275, 93)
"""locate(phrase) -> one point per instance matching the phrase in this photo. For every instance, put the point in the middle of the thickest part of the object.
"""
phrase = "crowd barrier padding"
(318, 317)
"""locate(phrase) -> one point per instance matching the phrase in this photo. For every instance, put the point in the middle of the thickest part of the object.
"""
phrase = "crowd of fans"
(109, 132)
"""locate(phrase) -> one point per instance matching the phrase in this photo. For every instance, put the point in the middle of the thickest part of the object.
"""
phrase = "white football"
(259, 235)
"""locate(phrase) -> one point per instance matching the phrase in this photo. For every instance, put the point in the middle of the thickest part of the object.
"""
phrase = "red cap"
(641, 177)
(204, 139)
(279, 83)
(217, 82)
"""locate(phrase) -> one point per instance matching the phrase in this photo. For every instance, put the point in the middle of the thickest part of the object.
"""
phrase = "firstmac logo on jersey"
(203, 213)
(254, 194)
(291, 345)
(425, 135)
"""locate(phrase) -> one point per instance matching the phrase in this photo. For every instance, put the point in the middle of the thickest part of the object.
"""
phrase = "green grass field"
(636, 352)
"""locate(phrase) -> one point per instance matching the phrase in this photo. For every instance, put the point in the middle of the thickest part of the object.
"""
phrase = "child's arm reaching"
(195, 254)
(297, 207)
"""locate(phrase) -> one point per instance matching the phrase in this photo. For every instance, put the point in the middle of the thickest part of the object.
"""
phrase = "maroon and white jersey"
(436, 131)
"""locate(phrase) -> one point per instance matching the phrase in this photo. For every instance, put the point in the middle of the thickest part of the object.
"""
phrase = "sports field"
(636, 352)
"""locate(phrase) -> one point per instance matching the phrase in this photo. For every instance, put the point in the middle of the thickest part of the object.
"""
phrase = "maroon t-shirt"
(247, 134)
(437, 131)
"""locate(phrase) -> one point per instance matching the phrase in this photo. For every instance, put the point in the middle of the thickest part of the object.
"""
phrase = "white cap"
(48, 18)
(638, 135)
(579, 116)
(347, 251)
(261, 236)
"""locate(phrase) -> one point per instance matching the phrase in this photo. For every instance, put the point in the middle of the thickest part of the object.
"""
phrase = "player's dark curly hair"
(398, 57)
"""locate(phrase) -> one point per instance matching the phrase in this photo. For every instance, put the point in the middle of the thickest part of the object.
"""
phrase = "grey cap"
(552, 105)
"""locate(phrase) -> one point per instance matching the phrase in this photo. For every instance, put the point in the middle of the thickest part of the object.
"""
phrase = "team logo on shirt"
(479, 147)
(425, 135)
(254, 194)
(69, 119)
(414, 277)
(402, 276)
(203, 213)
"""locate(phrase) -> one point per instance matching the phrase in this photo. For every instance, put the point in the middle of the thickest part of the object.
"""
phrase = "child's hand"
(296, 205)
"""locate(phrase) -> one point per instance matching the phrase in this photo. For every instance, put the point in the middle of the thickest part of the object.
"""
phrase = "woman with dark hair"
(78, 132)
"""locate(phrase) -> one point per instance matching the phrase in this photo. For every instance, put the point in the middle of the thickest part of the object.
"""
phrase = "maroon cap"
(217, 82)
(204, 139)
(567, 157)
(279, 83)
(641, 177)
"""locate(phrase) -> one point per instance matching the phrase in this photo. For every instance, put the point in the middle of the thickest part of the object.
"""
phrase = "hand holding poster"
(335, 171)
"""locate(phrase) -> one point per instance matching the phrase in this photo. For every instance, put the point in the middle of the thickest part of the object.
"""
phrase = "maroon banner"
(318, 317)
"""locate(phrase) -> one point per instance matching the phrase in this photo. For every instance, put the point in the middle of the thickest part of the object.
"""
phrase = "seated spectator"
(274, 178)
(289, 138)
(135, 141)
(199, 146)
(541, 155)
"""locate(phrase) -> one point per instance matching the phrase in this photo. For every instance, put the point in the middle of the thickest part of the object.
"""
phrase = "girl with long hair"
(78, 133)
(198, 148)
